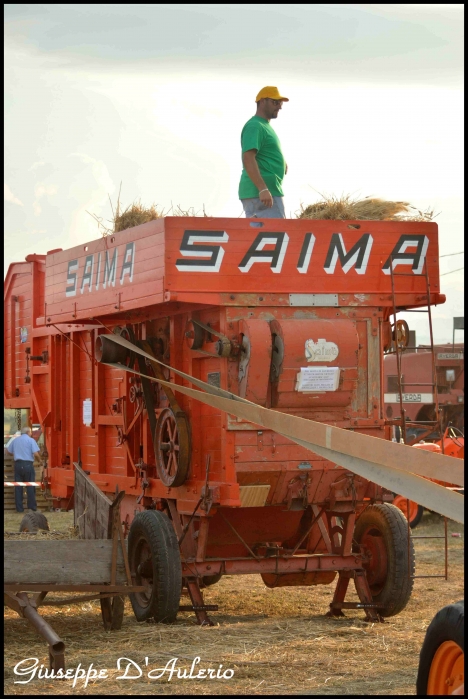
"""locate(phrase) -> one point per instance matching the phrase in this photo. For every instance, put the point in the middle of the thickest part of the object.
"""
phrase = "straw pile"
(369, 209)
(136, 214)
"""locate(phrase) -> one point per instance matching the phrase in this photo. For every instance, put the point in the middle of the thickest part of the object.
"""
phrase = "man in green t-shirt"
(260, 187)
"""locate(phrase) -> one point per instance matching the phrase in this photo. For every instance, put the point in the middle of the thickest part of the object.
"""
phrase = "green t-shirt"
(258, 134)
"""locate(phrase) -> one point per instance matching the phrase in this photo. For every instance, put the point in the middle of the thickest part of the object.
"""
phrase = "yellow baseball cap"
(271, 93)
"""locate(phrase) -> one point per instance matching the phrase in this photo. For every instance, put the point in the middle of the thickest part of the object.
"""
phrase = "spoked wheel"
(173, 448)
(400, 333)
(413, 514)
(382, 531)
(112, 610)
(154, 559)
(441, 662)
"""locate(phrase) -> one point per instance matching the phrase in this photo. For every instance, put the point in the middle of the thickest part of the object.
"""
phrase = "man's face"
(272, 107)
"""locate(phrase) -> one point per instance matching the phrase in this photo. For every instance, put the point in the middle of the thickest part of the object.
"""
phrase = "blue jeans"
(24, 471)
(255, 209)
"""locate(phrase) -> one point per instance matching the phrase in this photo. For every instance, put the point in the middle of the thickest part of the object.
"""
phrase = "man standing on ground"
(260, 187)
(24, 450)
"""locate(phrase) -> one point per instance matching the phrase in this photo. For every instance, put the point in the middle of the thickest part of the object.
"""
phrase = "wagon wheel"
(413, 514)
(441, 662)
(382, 532)
(154, 559)
(172, 447)
(401, 333)
(112, 610)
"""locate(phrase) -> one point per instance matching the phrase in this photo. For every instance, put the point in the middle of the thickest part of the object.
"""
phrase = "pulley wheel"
(172, 448)
(401, 333)
(194, 335)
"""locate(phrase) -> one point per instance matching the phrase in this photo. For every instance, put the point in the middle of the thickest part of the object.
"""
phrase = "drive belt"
(394, 466)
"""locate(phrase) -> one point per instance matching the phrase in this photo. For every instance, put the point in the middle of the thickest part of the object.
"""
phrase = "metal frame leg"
(198, 603)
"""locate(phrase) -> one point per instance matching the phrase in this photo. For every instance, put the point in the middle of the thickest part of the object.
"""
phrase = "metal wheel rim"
(376, 568)
(168, 446)
(142, 556)
(447, 667)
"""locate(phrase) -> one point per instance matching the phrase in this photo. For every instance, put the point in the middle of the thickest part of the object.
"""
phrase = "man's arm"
(251, 168)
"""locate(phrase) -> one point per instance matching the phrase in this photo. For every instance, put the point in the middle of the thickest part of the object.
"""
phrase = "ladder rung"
(403, 274)
(419, 384)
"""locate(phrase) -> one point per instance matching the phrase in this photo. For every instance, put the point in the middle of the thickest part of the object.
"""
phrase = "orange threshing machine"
(292, 315)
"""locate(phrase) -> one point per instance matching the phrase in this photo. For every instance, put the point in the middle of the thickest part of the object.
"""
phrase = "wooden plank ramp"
(63, 561)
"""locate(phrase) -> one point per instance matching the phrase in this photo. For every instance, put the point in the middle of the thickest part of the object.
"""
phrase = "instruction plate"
(312, 379)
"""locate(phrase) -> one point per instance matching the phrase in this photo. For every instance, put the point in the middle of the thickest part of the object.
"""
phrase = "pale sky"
(156, 96)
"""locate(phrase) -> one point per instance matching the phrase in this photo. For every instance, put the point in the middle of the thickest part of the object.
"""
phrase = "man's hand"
(251, 166)
(266, 199)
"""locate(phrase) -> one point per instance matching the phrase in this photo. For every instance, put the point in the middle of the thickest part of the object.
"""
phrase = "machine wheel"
(382, 531)
(441, 662)
(415, 511)
(34, 521)
(112, 610)
(154, 558)
(173, 448)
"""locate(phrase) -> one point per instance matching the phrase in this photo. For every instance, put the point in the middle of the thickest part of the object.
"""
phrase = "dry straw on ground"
(277, 641)
(368, 209)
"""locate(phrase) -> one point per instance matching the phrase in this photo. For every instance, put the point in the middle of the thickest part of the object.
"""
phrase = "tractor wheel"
(34, 521)
(382, 531)
(441, 661)
(415, 511)
(112, 610)
(154, 558)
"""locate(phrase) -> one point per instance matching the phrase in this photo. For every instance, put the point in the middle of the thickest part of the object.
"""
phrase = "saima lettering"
(103, 269)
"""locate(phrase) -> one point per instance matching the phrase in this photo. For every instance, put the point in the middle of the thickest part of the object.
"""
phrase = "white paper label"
(321, 351)
(449, 355)
(409, 397)
(318, 378)
(87, 412)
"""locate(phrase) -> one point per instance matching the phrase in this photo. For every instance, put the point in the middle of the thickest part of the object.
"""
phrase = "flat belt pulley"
(171, 433)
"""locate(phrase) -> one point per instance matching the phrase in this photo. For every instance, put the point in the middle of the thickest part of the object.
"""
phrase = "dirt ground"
(275, 641)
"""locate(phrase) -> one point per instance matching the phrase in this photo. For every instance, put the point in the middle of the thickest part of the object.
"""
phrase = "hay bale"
(135, 215)
(369, 209)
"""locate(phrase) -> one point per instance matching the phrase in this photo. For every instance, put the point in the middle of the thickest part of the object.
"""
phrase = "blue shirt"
(23, 448)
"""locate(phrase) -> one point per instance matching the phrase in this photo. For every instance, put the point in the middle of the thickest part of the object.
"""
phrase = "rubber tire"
(393, 526)
(415, 521)
(33, 521)
(112, 607)
(447, 625)
(157, 530)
